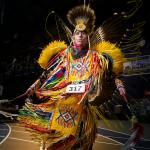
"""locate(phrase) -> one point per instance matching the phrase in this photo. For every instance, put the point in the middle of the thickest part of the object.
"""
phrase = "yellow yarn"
(114, 52)
(66, 102)
(50, 50)
(52, 93)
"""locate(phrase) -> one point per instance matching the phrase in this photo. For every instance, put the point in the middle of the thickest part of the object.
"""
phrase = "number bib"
(75, 88)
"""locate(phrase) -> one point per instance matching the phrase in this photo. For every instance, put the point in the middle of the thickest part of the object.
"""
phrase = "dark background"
(22, 33)
(23, 22)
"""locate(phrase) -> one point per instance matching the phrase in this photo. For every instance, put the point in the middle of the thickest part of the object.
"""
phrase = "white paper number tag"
(75, 88)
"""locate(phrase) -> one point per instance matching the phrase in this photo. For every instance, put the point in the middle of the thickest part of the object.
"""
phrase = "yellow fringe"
(114, 52)
(92, 121)
(50, 50)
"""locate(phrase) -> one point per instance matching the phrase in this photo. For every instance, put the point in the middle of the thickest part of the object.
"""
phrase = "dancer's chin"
(78, 46)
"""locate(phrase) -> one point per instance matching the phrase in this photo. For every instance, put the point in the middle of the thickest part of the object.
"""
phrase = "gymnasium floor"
(14, 137)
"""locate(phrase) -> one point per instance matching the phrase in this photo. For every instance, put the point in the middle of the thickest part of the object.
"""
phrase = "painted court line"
(6, 135)
(117, 137)
(2, 136)
(107, 137)
(111, 139)
(106, 143)
(3, 129)
(20, 131)
(12, 138)
(13, 126)
(120, 133)
(119, 143)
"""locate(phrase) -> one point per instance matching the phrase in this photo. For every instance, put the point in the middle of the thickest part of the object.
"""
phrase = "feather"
(49, 51)
(82, 15)
(114, 52)
(119, 28)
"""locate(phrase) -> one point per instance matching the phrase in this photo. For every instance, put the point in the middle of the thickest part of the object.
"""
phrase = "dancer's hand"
(121, 88)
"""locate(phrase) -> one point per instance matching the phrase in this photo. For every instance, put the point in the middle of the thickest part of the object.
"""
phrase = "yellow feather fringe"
(50, 50)
(114, 52)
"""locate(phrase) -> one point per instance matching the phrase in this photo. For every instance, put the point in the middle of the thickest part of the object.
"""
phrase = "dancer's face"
(80, 39)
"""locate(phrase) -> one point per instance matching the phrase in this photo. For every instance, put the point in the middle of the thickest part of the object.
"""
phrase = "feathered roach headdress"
(115, 29)
(82, 18)
(113, 33)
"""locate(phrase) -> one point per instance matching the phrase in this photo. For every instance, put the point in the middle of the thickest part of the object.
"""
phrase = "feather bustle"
(49, 51)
